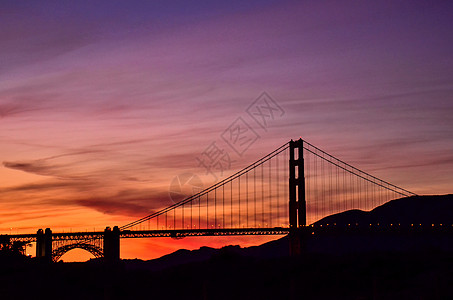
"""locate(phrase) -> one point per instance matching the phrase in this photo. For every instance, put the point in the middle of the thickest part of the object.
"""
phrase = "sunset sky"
(103, 103)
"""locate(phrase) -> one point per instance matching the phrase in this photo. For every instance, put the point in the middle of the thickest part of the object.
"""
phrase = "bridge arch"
(57, 253)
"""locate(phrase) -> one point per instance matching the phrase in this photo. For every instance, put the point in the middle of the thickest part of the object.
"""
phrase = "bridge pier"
(112, 244)
(297, 203)
(44, 245)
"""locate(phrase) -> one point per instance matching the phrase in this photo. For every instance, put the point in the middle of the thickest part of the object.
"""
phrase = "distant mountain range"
(425, 210)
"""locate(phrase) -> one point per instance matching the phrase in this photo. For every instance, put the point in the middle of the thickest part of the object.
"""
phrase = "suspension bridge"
(286, 191)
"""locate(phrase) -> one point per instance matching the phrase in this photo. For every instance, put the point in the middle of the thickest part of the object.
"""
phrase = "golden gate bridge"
(284, 192)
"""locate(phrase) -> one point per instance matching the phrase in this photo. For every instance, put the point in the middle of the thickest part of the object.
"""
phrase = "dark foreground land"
(228, 275)
(396, 260)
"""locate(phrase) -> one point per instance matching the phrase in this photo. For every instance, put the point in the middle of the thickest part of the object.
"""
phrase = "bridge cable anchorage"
(323, 183)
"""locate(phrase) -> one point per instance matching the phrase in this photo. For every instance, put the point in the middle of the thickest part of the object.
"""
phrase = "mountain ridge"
(428, 209)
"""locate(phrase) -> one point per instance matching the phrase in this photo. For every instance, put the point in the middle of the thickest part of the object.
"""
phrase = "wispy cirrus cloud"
(130, 202)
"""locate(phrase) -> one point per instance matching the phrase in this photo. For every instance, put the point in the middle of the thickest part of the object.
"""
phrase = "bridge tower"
(297, 203)
(112, 244)
(44, 245)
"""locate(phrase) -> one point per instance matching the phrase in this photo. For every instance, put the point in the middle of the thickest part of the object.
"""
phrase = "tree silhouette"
(8, 247)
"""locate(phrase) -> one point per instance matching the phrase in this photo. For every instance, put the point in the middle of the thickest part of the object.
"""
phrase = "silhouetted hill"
(426, 210)
(176, 258)
(405, 225)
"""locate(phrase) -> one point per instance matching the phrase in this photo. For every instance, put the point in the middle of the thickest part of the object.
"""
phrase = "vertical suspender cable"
(262, 195)
(254, 191)
(270, 194)
(239, 198)
(277, 188)
(247, 197)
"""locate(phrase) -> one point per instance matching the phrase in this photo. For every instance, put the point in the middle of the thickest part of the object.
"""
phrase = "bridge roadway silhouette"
(311, 182)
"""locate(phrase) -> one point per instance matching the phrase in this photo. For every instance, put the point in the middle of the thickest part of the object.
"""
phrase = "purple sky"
(102, 103)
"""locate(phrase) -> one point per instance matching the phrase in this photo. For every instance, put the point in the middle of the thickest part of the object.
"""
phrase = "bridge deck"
(153, 233)
(204, 232)
(408, 228)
